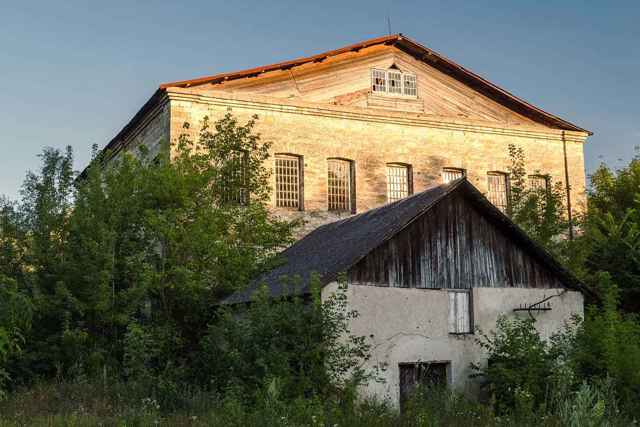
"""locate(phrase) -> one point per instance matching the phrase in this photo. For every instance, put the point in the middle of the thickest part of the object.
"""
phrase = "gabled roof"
(403, 43)
(336, 247)
(416, 50)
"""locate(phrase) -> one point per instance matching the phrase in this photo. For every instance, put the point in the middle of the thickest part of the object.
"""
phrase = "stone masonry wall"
(371, 143)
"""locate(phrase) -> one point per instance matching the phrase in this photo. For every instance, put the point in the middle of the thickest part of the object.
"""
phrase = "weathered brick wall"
(372, 140)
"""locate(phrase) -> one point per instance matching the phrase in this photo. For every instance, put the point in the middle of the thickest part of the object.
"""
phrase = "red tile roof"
(418, 51)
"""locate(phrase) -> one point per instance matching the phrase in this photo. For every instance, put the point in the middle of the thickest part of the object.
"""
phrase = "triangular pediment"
(344, 77)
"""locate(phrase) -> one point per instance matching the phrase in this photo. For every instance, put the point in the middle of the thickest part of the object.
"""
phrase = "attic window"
(393, 82)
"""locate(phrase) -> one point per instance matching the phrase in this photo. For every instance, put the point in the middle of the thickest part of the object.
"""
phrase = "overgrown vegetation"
(110, 289)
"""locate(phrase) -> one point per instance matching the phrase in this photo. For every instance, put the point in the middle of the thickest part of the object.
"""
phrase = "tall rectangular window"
(288, 181)
(451, 174)
(232, 184)
(395, 82)
(498, 190)
(378, 80)
(410, 87)
(399, 183)
(340, 185)
(460, 312)
(538, 182)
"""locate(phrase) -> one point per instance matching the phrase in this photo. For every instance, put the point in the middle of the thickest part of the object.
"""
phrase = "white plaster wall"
(410, 325)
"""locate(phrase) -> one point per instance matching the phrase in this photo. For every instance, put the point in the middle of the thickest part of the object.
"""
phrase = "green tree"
(157, 242)
(537, 210)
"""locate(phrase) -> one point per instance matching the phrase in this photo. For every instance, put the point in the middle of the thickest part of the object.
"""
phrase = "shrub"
(298, 346)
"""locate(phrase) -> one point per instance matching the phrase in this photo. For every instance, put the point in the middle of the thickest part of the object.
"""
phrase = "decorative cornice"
(264, 103)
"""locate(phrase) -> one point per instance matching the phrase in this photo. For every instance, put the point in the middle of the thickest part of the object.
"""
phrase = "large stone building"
(369, 123)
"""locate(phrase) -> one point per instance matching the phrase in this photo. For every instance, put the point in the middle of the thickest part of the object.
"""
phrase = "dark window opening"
(427, 375)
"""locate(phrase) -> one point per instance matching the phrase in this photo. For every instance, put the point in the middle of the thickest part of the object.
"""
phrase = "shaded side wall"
(410, 326)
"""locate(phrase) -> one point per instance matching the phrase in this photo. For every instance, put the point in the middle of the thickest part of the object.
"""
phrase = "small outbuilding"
(425, 273)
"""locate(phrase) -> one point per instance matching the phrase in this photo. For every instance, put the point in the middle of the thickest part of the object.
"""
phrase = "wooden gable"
(346, 80)
(455, 246)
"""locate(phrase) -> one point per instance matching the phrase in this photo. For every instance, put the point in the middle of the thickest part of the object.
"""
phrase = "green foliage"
(588, 365)
(15, 322)
(611, 238)
(521, 367)
(607, 346)
(538, 211)
(292, 346)
(141, 248)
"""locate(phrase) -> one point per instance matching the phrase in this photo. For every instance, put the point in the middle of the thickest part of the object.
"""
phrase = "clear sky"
(74, 72)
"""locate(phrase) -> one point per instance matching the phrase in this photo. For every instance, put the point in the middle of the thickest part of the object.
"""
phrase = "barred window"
(233, 179)
(451, 174)
(393, 82)
(498, 190)
(410, 86)
(538, 182)
(289, 181)
(379, 80)
(399, 183)
(340, 185)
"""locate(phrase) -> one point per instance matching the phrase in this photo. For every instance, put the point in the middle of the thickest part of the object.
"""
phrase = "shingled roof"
(334, 248)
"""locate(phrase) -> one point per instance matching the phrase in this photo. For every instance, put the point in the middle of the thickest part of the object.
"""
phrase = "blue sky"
(73, 72)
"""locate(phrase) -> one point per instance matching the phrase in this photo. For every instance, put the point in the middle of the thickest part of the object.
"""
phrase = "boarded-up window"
(399, 183)
(288, 181)
(498, 190)
(460, 312)
(538, 182)
(340, 185)
(413, 375)
(451, 174)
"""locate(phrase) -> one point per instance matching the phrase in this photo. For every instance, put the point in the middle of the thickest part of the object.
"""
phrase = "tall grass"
(92, 404)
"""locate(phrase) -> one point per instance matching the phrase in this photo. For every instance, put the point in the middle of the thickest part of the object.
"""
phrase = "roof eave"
(421, 53)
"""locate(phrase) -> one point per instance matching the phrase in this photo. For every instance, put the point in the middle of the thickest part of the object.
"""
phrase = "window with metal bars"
(538, 182)
(410, 86)
(498, 190)
(379, 80)
(289, 178)
(340, 185)
(394, 79)
(399, 181)
(394, 82)
(233, 180)
(451, 174)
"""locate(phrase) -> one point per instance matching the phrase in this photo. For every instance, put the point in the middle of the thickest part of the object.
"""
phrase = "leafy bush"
(294, 345)
(522, 368)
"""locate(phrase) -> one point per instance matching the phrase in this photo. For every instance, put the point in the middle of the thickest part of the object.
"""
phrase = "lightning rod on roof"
(389, 24)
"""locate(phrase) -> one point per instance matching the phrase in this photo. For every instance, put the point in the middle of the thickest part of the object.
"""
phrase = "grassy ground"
(87, 404)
